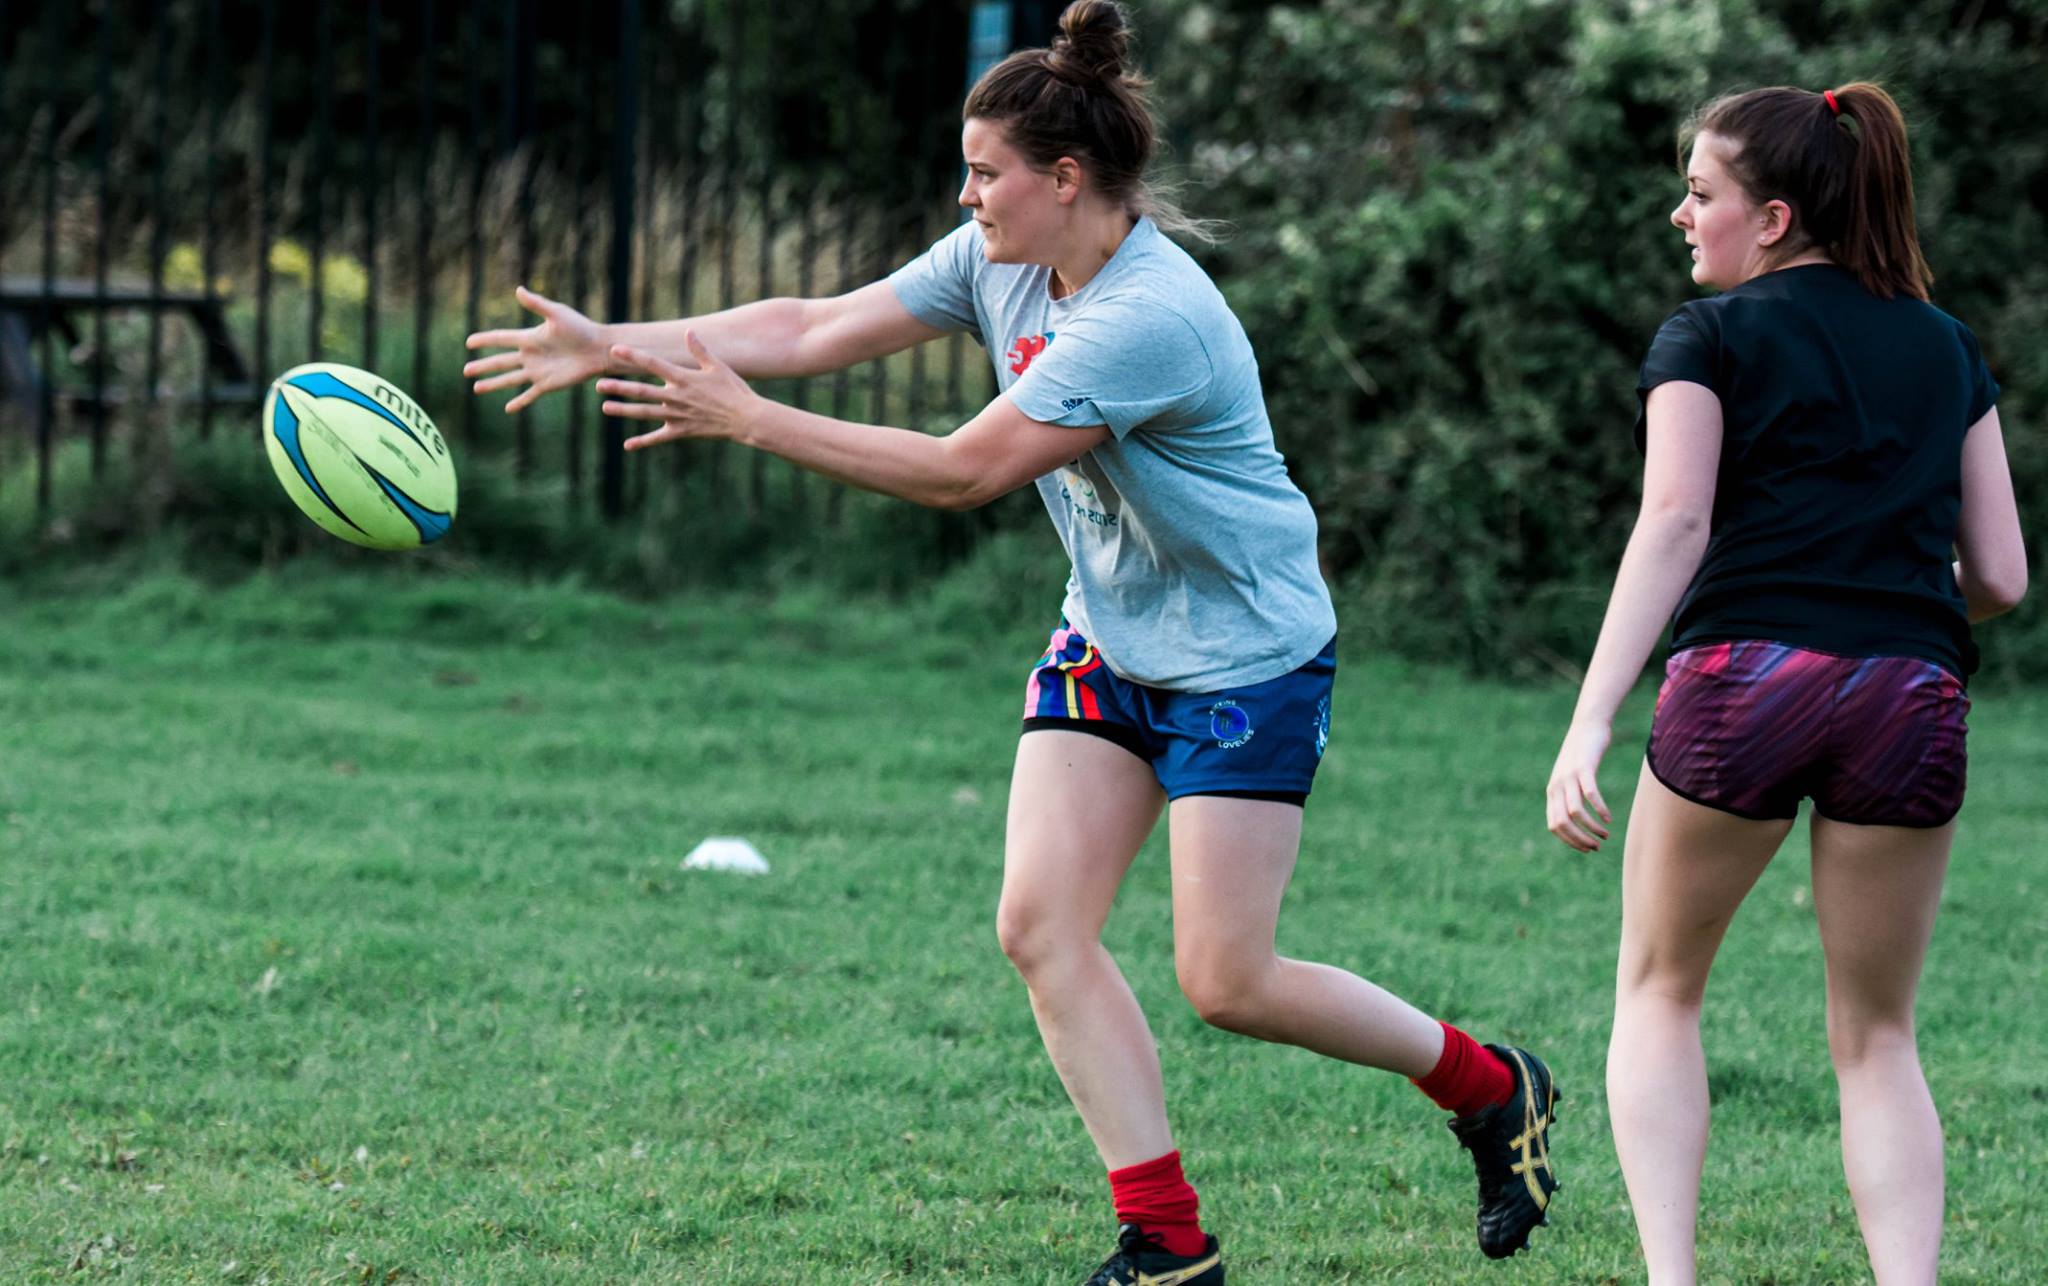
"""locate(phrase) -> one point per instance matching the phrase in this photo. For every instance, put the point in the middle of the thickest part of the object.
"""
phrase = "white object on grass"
(726, 853)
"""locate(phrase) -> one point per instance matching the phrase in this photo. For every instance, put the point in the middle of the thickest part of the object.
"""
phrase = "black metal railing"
(195, 194)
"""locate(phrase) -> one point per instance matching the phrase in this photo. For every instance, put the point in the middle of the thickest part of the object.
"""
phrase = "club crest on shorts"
(1229, 724)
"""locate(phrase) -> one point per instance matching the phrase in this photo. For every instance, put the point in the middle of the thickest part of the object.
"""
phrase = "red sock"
(1468, 1078)
(1156, 1196)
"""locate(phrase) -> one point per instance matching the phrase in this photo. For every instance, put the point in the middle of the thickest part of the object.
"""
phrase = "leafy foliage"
(1452, 250)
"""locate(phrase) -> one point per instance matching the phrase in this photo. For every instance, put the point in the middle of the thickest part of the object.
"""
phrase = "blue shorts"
(1262, 741)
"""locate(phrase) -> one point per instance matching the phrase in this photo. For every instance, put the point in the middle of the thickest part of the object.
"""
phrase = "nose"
(967, 195)
(1681, 217)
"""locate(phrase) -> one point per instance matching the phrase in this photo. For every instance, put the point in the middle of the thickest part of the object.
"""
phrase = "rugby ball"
(359, 457)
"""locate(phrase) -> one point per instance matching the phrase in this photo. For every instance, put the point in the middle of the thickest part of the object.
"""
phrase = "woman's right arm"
(1991, 555)
(1680, 471)
(770, 339)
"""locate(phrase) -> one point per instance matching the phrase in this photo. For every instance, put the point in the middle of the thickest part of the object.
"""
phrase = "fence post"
(518, 126)
(582, 231)
(266, 114)
(208, 236)
(988, 37)
(422, 223)
(160, 96)
(316, 176)
(619, 301)
(373, 187)
(479, 151)
(53, 102)
(103, 87)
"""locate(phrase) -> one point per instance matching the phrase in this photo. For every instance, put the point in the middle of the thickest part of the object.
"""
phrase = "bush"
(1452, 257)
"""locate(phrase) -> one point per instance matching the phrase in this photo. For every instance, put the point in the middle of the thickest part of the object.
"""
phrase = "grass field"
(345, 941)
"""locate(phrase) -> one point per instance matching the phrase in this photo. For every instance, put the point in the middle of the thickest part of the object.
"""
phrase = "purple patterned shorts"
(1753, 727)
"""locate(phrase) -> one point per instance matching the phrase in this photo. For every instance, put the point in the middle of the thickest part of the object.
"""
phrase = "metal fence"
(195, 194)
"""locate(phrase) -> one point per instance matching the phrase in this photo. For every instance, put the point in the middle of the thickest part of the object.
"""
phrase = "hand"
(566, 348)
(1578, 815)
(710, 401)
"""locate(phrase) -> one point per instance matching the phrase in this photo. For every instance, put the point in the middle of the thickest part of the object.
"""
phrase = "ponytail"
(1880, 240)
(1839, 158)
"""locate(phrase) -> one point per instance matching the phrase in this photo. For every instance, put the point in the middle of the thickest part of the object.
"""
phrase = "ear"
(1777, 220)
(1066, 179)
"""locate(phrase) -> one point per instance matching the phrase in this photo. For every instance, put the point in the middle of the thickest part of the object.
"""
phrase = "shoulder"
(1168, 296)
(1947, 324)
(957, 255)
(1909, 325)
(1151, 327)
(1697, 323)
(963, 251)
(965, 247)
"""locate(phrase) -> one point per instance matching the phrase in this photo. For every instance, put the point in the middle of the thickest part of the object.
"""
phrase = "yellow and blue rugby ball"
(359, 457)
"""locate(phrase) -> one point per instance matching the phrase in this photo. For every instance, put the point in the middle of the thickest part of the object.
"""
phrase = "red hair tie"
(1833, 106)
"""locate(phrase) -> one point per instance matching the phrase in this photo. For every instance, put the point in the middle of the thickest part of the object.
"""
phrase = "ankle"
(1468, 1078)
(1156, 1196)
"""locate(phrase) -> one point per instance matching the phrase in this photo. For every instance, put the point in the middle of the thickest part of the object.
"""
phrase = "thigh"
(1232, 859)
(1080, 808)
(1875, 890)
(1685, 869)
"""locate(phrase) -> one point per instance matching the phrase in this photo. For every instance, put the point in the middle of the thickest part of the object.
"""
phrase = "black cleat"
(1140, 1260)
(1510, 1147)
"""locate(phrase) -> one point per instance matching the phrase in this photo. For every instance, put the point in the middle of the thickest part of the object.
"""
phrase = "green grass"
(346, 942)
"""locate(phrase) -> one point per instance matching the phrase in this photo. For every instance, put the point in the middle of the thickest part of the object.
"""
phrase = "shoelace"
(1129, 1246)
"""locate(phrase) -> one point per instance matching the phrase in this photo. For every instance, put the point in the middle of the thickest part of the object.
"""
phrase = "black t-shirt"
(1835, 509)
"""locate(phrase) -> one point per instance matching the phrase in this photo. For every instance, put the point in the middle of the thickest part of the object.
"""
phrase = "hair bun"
(1093, 43)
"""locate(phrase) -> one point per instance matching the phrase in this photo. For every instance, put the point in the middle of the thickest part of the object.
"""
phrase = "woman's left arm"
(1682, 458)
(996, 452)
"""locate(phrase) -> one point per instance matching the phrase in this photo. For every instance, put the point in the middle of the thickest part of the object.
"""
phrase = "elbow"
(2003, 593)
(1677, 525)
(956, 494)
(963, 481)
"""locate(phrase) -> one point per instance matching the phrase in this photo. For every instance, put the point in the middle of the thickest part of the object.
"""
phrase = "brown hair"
(1843, 167)
(1081, 99)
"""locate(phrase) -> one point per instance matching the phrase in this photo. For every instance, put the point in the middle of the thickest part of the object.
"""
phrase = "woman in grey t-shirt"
(1192, 664)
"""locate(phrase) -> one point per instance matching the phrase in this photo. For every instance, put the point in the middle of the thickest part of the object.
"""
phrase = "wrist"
(748, 422)
(601, 351)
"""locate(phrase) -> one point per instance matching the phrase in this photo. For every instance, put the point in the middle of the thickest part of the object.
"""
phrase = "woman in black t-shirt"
(1819, 443)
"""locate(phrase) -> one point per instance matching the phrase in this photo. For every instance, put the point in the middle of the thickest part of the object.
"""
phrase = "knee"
(1856, 1037)
(1651, 978)
(1226, 993)
(1030, 933)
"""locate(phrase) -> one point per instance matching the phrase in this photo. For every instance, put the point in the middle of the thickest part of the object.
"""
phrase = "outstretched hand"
(566, 348)
(1578, 815)
(707, 401)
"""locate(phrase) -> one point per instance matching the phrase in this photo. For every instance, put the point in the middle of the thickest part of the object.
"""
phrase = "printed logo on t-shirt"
(1079, 493)
(1024, 349)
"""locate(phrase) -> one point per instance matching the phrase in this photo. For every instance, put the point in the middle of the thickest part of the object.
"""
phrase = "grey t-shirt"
(1194, 554)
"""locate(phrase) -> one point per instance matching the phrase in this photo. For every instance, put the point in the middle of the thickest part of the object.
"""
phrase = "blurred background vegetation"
(1449, 247)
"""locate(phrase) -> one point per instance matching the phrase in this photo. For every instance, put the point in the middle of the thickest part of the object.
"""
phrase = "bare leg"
(1080, 808)
(1685, 869)
(1874, 890)
(1232, 859)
